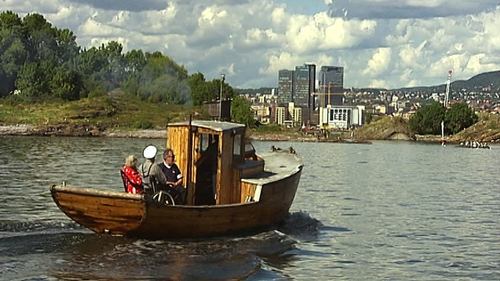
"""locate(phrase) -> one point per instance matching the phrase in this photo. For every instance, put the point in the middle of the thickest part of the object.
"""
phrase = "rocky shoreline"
(95, 131)
(77, 131)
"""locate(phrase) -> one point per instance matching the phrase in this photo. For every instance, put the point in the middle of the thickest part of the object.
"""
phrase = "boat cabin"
(213, 156)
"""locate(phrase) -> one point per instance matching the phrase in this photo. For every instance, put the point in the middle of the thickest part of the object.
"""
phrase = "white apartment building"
(341, 117)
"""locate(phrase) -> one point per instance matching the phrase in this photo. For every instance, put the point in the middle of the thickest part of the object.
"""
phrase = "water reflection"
(102, 257)
(399, 211)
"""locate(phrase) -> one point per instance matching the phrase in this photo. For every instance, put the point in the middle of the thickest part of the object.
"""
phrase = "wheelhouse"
(214, 157)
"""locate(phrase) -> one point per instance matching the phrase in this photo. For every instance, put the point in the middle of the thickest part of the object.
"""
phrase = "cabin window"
(207, 141)
(204, 142)
(237, 147)
(250, 151)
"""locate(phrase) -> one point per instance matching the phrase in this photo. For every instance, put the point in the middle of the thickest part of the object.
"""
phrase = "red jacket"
(134, 180)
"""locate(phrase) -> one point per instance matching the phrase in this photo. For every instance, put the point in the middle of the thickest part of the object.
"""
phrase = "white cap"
(150, 152)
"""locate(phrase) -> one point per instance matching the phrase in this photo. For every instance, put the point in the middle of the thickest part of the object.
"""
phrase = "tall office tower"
(331, 83)
(301, 86)
(312, 83)
(333, 76)
(285, 86)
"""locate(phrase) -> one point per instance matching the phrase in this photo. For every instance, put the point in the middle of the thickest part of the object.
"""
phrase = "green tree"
(41, 38)
(241, 111)
(66, 84)
(459, 117)
(91, 61)
(160, 79)
(427, 120)
(33, 80)
(67, 48)
(199, 88)
(166, 89)
(135, 60)
(116, 63)
(158, 64)
(9, 20)
(368, 117)
(13, 51)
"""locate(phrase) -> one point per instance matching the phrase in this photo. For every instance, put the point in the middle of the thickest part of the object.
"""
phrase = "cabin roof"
(218, 126)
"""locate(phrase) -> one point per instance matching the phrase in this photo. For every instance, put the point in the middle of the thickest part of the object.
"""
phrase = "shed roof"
(212, 125)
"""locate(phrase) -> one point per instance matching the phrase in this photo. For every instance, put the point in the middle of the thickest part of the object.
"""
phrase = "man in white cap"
(153, 178)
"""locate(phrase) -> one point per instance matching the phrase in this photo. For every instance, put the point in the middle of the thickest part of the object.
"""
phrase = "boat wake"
(261, 255)
(13, 228)
(301, 225)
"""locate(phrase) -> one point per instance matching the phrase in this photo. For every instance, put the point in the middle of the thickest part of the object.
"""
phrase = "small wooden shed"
(211, 156)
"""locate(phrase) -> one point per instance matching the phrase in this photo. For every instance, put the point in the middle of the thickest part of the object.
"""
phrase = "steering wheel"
(163, 198)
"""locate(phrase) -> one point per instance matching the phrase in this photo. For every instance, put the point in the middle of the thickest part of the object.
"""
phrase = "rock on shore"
(148, 134)
(16, 130)
(77, 131)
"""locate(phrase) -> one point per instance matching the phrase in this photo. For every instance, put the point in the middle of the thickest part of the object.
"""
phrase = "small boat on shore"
(352, 141)
(230, 189)
(474, 145)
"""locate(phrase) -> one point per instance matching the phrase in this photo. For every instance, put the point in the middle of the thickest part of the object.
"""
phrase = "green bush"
(427, 120)
(143, 124)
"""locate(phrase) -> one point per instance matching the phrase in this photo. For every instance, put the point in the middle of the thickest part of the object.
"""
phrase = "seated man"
(173, 176)
(153, 178)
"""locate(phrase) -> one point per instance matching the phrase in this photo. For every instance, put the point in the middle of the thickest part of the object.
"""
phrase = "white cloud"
(378, 84)
(307, 34)
(410, 55)
(402, 9)
(283, 60)
(379, 43)
(379, 62)
(278, 15)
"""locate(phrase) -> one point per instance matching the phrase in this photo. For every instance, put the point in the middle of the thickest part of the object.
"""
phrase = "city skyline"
(379, 43)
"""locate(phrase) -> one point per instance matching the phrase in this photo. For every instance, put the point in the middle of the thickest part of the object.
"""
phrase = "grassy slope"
(486, 129)
(117, 111)
(383, 128)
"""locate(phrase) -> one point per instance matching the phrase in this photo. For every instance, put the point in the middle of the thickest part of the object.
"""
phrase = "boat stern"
(101, 211)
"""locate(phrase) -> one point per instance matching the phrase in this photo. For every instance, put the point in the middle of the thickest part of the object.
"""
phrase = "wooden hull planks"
(126, 214)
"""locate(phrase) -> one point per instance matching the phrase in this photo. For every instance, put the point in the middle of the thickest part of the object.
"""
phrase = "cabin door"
(206, 169)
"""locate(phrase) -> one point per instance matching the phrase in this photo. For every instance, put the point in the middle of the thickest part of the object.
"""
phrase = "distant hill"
(479, 81)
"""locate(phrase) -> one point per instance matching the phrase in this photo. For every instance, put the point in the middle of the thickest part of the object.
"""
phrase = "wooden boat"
(230, 189)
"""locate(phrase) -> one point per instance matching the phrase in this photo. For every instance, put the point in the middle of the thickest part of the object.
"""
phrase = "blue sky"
(380, 43)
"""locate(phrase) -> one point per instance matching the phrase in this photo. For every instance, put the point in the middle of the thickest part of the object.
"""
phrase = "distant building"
(341, 117)
(380, 109)
(280, 115)
(285, 86)
(262, 113)
(331, 86)
(298, 86)
(309, 110)
(295, 114)
(333, 76)
(328, 98)
(301, 86)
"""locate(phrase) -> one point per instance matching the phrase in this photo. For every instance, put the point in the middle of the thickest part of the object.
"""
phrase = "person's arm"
(179, 177)
(179, 182)
(159, 175)
(134, 177)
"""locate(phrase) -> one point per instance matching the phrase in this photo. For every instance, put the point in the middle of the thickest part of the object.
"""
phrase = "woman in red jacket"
(132, 180)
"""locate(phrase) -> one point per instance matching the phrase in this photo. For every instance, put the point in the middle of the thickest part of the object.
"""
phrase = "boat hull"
(119, 213)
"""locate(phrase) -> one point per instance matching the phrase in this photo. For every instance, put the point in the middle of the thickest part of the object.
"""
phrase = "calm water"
(391, 210)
